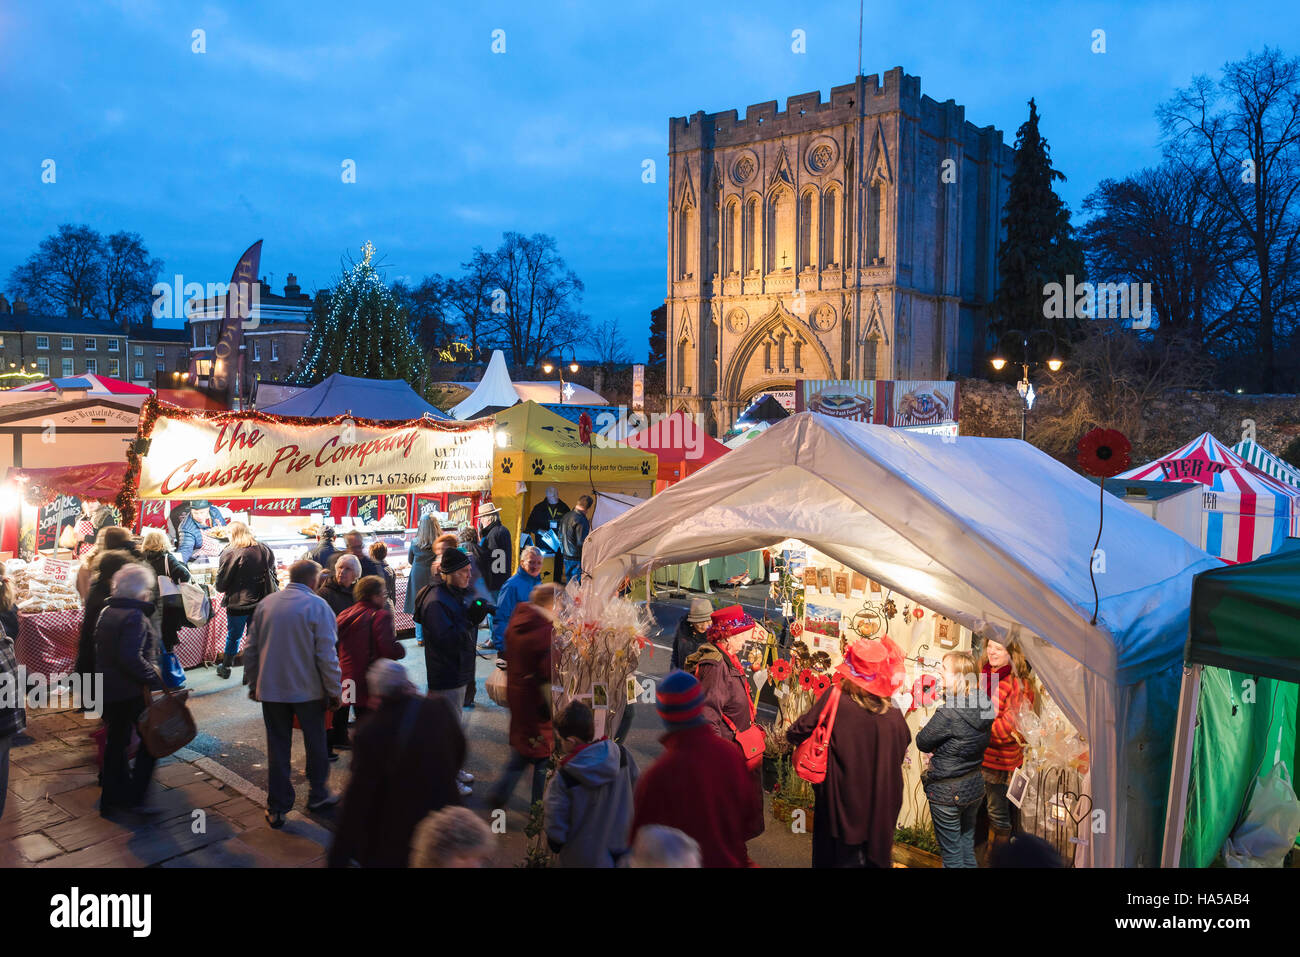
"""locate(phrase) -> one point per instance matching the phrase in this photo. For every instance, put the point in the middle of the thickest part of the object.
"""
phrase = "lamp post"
(548, 367)
(1024, 387)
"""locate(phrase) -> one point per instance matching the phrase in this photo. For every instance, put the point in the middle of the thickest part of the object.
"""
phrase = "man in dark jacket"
(573, 532)
(324, 549)
(449, 628)
(356, 544)
(13, 717)
(404, 762)
(336, 589)
(690, 631)
(493, 550)
(126, 648)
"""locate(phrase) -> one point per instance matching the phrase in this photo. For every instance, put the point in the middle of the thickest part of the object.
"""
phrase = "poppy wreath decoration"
(1105, 454)
(584, 429)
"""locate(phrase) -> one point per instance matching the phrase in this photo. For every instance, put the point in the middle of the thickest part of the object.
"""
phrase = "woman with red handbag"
(858, 801)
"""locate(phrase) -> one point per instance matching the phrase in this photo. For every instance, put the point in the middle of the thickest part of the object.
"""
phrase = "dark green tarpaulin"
(1245, 628)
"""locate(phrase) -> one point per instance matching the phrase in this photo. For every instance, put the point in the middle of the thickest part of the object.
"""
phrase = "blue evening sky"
(453, 144)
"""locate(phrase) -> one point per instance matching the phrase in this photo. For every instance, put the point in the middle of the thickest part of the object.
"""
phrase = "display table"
(47, 641)
(698, 576)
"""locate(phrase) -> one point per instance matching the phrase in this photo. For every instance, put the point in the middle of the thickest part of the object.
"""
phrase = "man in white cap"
(690, 631)
(493, 550)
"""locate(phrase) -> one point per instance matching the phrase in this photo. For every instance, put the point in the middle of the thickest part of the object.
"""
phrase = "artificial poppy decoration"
(806, 678)
(780, 670)
(584, 429)
(1104, 452)
(918, 613)
(821, 683)
(796, 629)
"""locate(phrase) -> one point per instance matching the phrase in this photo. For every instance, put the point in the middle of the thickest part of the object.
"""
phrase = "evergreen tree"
(658, 336)
(1039, 247)
(361, 329)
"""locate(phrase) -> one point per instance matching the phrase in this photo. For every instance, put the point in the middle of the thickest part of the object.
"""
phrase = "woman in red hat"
(857, 805)
(728, 703)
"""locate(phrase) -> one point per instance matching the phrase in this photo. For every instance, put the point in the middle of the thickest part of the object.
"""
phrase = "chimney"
(4, 305)
(73, 311)
(20, 305)
(265, 291)
(291, 287)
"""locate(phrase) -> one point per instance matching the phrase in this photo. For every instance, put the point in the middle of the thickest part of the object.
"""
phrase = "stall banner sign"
(52, 517)
(51, 569)
(399, 505)
(253, 457)
(458, 512)
(638, 387)
(321, 503)
(919, 402)
(784, 397)
(850, 399)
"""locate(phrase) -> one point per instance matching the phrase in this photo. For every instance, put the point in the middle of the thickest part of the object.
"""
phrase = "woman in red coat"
(858, 803)
(366, 632)
(528, 693)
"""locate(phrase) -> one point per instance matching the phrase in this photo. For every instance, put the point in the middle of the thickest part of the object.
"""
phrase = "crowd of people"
(321, 654)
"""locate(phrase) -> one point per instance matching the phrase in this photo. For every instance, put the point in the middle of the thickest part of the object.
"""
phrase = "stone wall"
(993, 409)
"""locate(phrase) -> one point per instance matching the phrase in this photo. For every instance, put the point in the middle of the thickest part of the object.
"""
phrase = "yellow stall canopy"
(537, 449)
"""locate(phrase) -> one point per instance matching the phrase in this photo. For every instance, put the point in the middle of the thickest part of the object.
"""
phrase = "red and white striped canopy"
(1248, 513)
(100, 384)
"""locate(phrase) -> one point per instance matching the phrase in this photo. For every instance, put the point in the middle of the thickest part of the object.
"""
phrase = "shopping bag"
(329, 720)
(496, 686)
(100, 737)
(167, 725)
(812, 756)
(1268, 831)
(197, 602)
(169, 666)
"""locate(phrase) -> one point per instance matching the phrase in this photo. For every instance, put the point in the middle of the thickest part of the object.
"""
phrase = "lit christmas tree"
(365, 332)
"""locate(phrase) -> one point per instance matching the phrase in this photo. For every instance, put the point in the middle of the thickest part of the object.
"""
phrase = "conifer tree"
(362, 330)
(1039, 246)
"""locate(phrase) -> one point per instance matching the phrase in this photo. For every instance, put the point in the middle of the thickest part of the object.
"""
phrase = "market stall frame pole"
(1180, 774)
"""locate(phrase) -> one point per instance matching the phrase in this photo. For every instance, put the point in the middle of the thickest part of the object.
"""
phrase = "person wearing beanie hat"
(857, 805)
(690, 631)
(405, 756)
(699, 784)
(449, 624)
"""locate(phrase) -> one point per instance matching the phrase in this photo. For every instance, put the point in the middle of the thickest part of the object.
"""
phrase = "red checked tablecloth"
(47, 641)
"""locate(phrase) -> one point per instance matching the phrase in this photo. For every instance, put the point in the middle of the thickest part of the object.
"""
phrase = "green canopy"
(1247, 617)
(1245, 628)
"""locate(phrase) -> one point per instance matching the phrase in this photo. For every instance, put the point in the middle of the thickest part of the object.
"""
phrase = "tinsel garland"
(128, 500)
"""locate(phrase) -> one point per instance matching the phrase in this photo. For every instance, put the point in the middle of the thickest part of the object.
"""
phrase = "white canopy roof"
(494, 390)
(990, 532)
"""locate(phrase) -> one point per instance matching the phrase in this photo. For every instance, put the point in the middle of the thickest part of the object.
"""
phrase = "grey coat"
(588, 806)
(291, 654)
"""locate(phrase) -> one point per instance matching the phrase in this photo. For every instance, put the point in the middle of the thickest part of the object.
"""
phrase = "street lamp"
(1024, 387)
(558, 366)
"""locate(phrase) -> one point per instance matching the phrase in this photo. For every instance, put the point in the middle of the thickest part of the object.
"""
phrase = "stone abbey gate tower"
(850, 239)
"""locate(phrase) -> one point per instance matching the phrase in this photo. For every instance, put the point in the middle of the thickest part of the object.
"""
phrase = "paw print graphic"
(507, 464)
(645, 466)
(538, 468)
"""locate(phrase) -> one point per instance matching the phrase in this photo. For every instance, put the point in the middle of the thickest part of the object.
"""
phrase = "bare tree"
(65, 274)
(609, 344)
(542, 299)
(1245, 128)
(128, 279)
(471, 297)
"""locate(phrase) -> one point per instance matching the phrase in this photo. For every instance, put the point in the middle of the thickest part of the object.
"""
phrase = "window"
(257, 351)
(67, 368)
(139, 350)
(113, 368)
(65, 342)
(2, 342)
(43, 366)
(92, 367)
(139, 370)
(42, 342)
(160, 352)
(207, 335)
(197, 338)
(90, 345)
(275, 350)
(112, 345)
(162, 367)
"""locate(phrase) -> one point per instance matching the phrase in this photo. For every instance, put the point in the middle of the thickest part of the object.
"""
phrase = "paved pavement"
(214, 790)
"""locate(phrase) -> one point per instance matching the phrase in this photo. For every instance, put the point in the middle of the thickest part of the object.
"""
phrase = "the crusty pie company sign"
(252, 458)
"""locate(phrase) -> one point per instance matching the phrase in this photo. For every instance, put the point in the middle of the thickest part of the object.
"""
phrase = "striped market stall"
(1267, 462)
(1247, 513)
